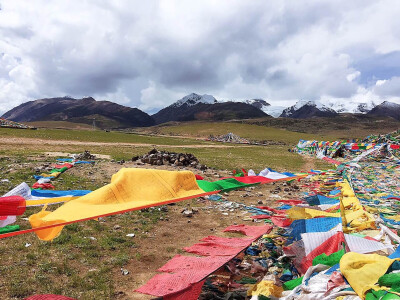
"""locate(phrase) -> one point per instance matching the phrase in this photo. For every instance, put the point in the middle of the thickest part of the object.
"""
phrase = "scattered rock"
(159, 158)
(187, 213)
(84, 156)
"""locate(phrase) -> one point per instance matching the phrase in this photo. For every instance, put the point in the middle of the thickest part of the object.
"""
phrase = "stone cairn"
(159, 158)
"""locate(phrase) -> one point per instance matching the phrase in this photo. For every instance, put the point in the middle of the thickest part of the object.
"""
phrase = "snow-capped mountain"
(345, 106)
(193, 99)
(272, 110)
(308, 109)
(386, 109)
(206, 107)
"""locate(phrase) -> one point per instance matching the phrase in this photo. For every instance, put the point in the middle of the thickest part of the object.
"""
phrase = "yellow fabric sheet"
(354, 217)
(50, 200)
(129, 189)
(362, 271)
(266, 288)
(298, 213)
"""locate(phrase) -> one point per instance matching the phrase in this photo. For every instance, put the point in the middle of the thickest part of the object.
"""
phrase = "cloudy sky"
(148, 54)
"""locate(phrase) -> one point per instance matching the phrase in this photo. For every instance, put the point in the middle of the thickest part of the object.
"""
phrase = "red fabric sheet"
(191, 293)
(167, 284)
(253, 231)
(332, 161)
(331, 245)
(182, 263)
(187, 280)
(253, 179)
(261, 217)
(281, 221)
(291, 202)
(45, 186)
(69, 166)
(233, 242)
(12, 206)
(213, 249)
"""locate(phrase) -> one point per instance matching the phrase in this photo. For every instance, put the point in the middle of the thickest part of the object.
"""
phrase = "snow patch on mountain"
(272, 110)
(193, 99)
(346, 106)
(339, 106)
(287, 112)
(388, 104)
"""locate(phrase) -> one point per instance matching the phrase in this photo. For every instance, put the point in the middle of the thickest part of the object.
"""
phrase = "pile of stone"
(159, 158)
(84, 156)
(228, 138)
(233, 138)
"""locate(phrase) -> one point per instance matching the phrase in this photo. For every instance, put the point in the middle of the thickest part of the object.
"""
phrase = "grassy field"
(60, 125)
(128, 145)
(254, 132)
(94, 136)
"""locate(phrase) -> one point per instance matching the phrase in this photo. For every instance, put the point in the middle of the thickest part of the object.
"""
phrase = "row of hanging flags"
(130, 189)
(314, 145)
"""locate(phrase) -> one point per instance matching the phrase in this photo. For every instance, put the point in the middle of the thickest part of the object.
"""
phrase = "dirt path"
(32, 141)
(309, 163)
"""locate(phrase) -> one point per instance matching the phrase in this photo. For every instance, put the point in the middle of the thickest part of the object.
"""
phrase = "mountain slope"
(106, 113)
(307, 109)
(386, 109)
(206, 107)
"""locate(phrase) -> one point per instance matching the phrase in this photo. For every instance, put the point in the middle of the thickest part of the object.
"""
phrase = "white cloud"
(150, 53)
(388, 88)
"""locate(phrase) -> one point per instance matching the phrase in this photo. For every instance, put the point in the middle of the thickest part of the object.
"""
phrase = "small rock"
(116, 227)
(188, 213)
(124, 271)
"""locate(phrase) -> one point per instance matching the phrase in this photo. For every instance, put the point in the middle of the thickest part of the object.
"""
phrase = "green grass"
(95, 136)
(254, 132)
(74, 264)
(248, 157)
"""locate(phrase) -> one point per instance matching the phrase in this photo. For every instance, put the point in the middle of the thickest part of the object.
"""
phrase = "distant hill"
(107, 114)
(386, 109)
(206, 107)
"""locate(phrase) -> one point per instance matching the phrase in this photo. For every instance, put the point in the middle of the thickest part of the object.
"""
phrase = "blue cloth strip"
(52, 194)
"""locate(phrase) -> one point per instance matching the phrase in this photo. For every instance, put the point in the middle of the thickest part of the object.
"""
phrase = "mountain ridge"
(107, 114)
(206, 107)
